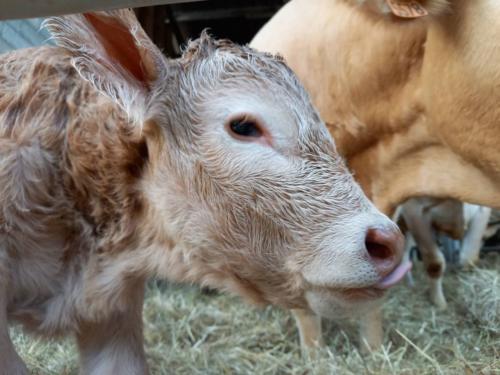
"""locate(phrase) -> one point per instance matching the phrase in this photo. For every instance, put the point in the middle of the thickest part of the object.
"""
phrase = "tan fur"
(412, 104)
(117, 164)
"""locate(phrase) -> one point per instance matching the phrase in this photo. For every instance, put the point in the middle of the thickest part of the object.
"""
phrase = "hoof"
(439, 302)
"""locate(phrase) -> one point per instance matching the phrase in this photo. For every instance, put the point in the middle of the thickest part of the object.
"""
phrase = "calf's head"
(243, 186)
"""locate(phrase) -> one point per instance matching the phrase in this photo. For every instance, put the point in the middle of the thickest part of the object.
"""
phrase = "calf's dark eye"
(245, 128)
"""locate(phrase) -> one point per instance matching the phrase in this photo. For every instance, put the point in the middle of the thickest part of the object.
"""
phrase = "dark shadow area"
(170, 26)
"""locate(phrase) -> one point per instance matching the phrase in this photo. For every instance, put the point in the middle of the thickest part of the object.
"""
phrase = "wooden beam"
(13, 9)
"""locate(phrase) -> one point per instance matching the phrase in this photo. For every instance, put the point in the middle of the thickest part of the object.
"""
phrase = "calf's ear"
(112, 52)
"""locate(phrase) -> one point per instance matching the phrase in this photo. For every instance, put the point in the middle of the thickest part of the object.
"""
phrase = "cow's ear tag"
(407, 8)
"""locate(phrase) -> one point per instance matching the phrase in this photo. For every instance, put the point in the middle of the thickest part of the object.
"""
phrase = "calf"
(411, 102)
(117, 164)
(424, 218)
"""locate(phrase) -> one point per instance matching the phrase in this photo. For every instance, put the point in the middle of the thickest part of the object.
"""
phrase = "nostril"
(384, 247)
(377, 250)
(381, 244)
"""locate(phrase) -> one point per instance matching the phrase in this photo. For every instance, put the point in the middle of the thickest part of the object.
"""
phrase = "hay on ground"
(191, 333)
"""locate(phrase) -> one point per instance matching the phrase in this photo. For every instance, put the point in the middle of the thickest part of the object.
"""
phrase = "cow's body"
(412, 103)
(117, 164)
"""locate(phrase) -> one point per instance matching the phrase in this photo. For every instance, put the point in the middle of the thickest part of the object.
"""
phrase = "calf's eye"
(245, 128)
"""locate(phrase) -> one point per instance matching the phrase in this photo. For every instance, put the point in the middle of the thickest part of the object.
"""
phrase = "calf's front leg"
(371, 330)
(309, 325)
(114, 345)
(10, 362)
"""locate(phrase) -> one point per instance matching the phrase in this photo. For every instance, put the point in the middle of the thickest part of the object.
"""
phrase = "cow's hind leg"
(435, 271)
(473, 239)
(435, 265)
(10, 362)
(409, 243)
(114, 345)
(419, 224)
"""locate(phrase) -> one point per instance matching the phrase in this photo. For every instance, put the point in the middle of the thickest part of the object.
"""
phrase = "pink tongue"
(395, 276)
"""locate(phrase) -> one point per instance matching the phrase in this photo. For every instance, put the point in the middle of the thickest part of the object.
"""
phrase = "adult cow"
(411, 103)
